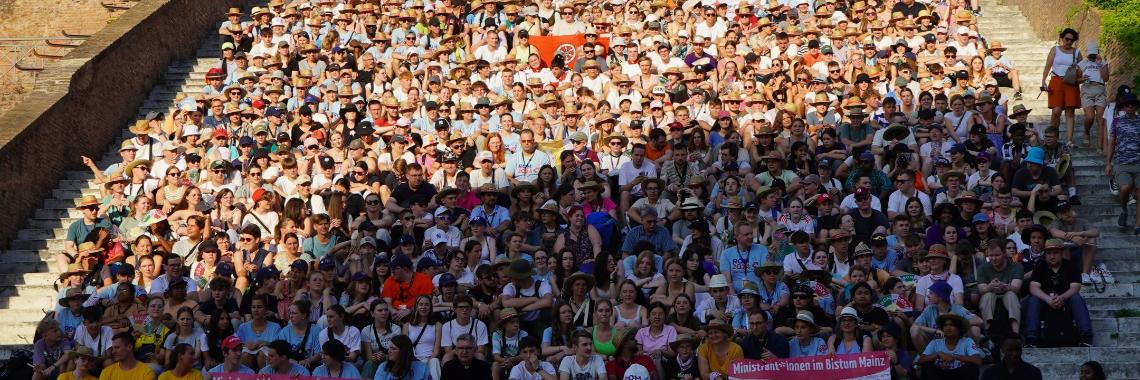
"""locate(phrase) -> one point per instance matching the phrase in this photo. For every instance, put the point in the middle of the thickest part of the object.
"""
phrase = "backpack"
(1058, 328)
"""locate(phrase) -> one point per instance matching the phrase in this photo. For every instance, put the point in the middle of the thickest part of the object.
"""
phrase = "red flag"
(570, 46)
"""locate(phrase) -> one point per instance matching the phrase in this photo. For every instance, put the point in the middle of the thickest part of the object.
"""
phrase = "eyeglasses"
(245, 239)
(1069, 39)
(567, 13)
(359, 172)
(862, 199)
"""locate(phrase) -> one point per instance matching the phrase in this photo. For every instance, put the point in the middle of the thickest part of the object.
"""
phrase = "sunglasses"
(175, 174)
(800, 297)
(372, 203)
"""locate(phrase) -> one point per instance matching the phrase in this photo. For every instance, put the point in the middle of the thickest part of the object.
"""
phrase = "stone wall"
(83, 102)
(1047, 21)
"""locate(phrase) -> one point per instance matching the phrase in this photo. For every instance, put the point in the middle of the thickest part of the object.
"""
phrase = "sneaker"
(1085, 342)
(1085, 279)
(1095, 276)
(1105, 275)
(1075, 200)
(1030, 343)
(1122, 220)
(1113, 187)
(1132, 202)
(1017, 95)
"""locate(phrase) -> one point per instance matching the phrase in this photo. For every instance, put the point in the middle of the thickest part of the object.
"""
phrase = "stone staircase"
(1116, 324)
(28, 276)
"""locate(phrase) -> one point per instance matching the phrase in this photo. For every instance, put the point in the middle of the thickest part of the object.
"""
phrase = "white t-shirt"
(452, 329)
(594, 369)
(519, 372)
(350, 337)
(922, 287)
(848, 203)
(897, 202)
(98, 344)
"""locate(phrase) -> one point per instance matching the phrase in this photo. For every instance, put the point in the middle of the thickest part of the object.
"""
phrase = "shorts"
(1003, 79)
(1126, 175)
(1063, 96)
(1093, 95)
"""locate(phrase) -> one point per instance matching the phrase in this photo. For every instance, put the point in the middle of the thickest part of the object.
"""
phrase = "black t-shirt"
(876, 316)
(211, 308)
(908, 10)
(453, 369)
(1023, 180)
(404, 195)
(864, 226)
(1055, 282)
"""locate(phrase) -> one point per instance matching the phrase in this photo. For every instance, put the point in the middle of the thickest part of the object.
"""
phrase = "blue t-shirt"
(297, 370)
(68, 323)
(347, 371)
(965, 347)
(930, 315)
(418, 372)
(287, 334)
(817, 347)
(742, 265)
(221, 368)
(245, 332)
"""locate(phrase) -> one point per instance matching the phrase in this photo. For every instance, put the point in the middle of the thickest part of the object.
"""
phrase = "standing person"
(1063, 97)
(125, 366)
(1094, 96)
(1123, 164)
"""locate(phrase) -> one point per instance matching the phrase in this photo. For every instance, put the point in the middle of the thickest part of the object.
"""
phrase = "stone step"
(1115, 371)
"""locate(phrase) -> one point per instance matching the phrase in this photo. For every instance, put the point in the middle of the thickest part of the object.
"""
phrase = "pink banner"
(862, 366)
(240, 376)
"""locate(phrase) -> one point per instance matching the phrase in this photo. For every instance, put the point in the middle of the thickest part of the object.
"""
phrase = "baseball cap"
(299, 264)
(327, 263)
(231, 342)
(401, 261)
(447, 279)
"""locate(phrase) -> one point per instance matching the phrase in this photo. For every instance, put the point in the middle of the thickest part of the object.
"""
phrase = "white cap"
(169, 146)
(683, 33)
(636, 372)
(656, 104)
(1092, 48)
(309, 141)
(191, 130)
(484, 156)
(441, 210)
(438, 236)
(403, 122)
(963, 30)
(699, 40)
(277, 21)
(659, 90)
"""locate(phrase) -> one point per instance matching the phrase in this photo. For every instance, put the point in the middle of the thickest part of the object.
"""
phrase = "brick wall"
(1047, 21)
(83, 102)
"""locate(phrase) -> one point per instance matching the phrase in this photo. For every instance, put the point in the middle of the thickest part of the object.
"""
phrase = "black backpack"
(18, 366)
(1058, 328)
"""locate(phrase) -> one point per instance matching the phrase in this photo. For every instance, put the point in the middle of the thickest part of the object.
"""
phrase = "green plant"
(1120, 22)
(1126, 313)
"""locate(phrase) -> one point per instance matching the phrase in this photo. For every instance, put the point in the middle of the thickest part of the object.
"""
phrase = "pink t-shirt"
(651, 343)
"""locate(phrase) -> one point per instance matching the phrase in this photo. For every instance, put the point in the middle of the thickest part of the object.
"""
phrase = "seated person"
(1055, 283)
(1080, 234)
(952, 356)
(924, 326)
(999, 279)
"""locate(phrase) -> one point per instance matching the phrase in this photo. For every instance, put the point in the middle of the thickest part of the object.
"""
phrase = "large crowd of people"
(415, 190)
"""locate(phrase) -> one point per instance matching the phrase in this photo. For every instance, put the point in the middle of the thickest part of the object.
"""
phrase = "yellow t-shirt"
(192, 375)
(715, 364)
(70, 375)
(115, 372)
